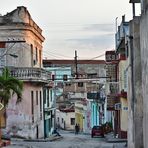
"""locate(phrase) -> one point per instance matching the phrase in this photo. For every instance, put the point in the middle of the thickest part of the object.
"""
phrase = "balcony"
(96, 97)
(112, 95)
(30, 74)
(111, 101)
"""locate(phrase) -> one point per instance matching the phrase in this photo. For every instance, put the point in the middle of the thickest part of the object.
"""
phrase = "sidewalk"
(111, 139)
(50, 139)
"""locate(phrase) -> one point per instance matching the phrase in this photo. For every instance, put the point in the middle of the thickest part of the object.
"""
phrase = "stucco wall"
(20, 115)
(25, 30)
(66, 119)
(135, 130)
(144, 59)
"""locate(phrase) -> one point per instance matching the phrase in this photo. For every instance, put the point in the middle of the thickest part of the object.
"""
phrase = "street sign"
(1, 106)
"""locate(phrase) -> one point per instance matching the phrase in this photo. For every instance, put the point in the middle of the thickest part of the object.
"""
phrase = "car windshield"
(96, 127)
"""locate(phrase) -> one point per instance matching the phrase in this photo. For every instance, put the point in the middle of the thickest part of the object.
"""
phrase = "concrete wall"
(144, 59)
(135, 101)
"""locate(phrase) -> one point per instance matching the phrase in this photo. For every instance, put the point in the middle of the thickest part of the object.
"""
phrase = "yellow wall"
(122, 79)
(124, 114)
(79, 120)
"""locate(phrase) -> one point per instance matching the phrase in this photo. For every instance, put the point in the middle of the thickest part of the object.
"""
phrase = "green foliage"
(9, 86)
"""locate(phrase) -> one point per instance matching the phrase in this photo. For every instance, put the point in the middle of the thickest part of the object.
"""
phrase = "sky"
(87, 26)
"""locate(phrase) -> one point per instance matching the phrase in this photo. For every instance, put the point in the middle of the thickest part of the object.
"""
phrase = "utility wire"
(61, 55)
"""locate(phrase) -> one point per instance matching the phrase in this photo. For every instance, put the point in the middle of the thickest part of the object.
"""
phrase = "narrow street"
(69, 140)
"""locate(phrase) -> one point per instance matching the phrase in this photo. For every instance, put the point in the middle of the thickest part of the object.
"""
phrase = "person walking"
(76, 129)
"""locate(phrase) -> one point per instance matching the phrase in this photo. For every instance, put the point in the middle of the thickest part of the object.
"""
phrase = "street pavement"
(67, 140)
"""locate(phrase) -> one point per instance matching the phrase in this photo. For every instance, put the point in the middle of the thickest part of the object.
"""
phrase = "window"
(36, 97)
(2, 51)
(44, 95)
(72, 121)
(31, 46)
(40, 57)
(51, 95)
(62, 120)
(80, 84)
(68, 84)
(47, 97)
(36, 54)
(40, 101)
(32, 106)
(40, 105)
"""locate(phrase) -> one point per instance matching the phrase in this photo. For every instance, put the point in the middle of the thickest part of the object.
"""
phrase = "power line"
(61, 55)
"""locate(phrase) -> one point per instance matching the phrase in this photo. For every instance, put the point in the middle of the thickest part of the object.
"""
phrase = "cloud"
(100, 27)
(89, 39)
(95, 36)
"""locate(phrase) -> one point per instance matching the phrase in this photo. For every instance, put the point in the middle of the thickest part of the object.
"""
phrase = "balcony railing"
(29, 74)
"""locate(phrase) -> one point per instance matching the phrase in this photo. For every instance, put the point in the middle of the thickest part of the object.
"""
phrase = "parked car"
(97, 131)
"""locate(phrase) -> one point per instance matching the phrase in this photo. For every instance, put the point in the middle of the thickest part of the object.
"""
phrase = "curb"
(44, 140)
(116, 140)
(110, 139)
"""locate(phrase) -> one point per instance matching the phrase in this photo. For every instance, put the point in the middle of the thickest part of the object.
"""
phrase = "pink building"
(21, 36)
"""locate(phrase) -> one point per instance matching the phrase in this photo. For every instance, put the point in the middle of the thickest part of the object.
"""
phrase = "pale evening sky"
(87, 26)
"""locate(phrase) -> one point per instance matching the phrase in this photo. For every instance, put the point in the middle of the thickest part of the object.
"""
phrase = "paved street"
(69, 140)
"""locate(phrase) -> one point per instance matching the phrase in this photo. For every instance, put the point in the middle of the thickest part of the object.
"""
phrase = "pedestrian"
(76, 129)
(56, 132)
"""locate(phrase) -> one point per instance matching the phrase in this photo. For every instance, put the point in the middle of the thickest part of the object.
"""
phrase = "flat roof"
(48, 61)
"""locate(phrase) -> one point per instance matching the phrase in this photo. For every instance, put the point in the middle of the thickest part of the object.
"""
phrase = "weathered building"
(65, 118)
(59, 100)
(91, 76)
(22, 38)
(121, 51)
(144, 69)
(112, 86)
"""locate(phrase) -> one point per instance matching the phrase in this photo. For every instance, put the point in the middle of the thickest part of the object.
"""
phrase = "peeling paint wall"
(19, 117)
(19, 26)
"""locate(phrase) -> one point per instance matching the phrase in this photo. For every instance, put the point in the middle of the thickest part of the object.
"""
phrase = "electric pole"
(76, 64)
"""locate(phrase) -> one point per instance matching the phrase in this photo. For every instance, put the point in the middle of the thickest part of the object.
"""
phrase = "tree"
(9, 86)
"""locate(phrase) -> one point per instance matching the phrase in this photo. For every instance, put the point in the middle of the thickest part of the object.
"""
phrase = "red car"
(97, 131)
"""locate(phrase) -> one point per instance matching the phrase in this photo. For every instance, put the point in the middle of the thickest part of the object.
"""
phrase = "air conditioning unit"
(118, 106)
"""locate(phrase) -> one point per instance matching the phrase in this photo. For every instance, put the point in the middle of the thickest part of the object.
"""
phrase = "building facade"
(91, 76)
(22, 37)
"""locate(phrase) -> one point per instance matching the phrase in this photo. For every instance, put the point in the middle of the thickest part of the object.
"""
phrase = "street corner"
(54, 138)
